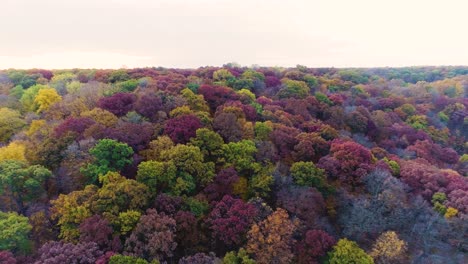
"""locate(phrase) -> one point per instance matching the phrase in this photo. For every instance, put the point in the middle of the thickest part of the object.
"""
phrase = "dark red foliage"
(6, 257)
(217, 95)
(148, 105)
(228, 127)
(45, 73)
(104, 259)
(119, 104)
(426, 180)
(199, 258)
(167, 204)
(404, 135)
(188, 235)
(230, 219)
(348, 161)
(98, 230)
(315, 244)
(182, 128)
(305, 203)
(59, 253)
(77, 125)
(153, 237)
(272, 81)
(434, 153)
(311, 147)
(136, 136)
(284, 138)
(222, 184)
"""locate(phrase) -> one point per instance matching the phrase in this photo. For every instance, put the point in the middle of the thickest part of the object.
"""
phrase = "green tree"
(348, 252)
(128, 220)
(71, 210)
(189, 162)
(209, 142)
(121, 259)
(157, 174)
(240, 155)
(27, 99)
(307, 174)
(21, 182)
(14, 230)
(293, 89)
(109, 155)
(240, 257)
(10, 123)
(117, 195)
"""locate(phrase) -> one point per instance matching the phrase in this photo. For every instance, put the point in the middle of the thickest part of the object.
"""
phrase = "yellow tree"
(389, 248)
(271, 240)
(10, 123)
(45, 98)
(14, 151)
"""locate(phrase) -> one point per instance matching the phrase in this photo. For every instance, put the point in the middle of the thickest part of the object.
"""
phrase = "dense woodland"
(234, 165)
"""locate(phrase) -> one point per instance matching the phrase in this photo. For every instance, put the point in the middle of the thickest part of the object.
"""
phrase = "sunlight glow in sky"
(177, 33)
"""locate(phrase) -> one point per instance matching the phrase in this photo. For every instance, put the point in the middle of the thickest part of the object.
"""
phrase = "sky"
(58, 34)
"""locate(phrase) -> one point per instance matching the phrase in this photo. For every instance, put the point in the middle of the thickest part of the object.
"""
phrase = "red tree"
(119, 104)
(230, 219)
(182, 128)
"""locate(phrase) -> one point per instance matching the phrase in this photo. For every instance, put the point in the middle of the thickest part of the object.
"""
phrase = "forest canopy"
(234, 165)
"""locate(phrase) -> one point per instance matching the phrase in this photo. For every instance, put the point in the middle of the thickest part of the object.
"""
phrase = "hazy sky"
(193, 33)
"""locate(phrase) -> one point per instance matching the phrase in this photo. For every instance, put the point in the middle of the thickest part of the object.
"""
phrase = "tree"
(223, 184)
(109, 155)
(101, 116)
(240, 155)
(153, 237)
(305, 203)
(209, 142)
(294, 89)
(189, 160)
(389, 249)
(119, 104)
(21, 182)
(240, 257)
(128, 220)
(14, 231)
(98, 230)
(121, 259)
(157, 175)
(182, 128)
(310, 147)
(75, 125)
(316, 244)
(71, 210)
(216, 95)
(59, 252)
(199, 258)
(135, 135)
(10, 123)
(348, 161)
(307, 174)
(228, 126)
(117, 195)
(45, 98)
(6, 257)
(230, 219)
(348, 252)
(14, 151)
(189, 236)
(27, 99)
(271, 240)
(148, 105)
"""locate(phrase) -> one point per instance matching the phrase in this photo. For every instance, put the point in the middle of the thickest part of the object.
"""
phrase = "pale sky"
(192, 33)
